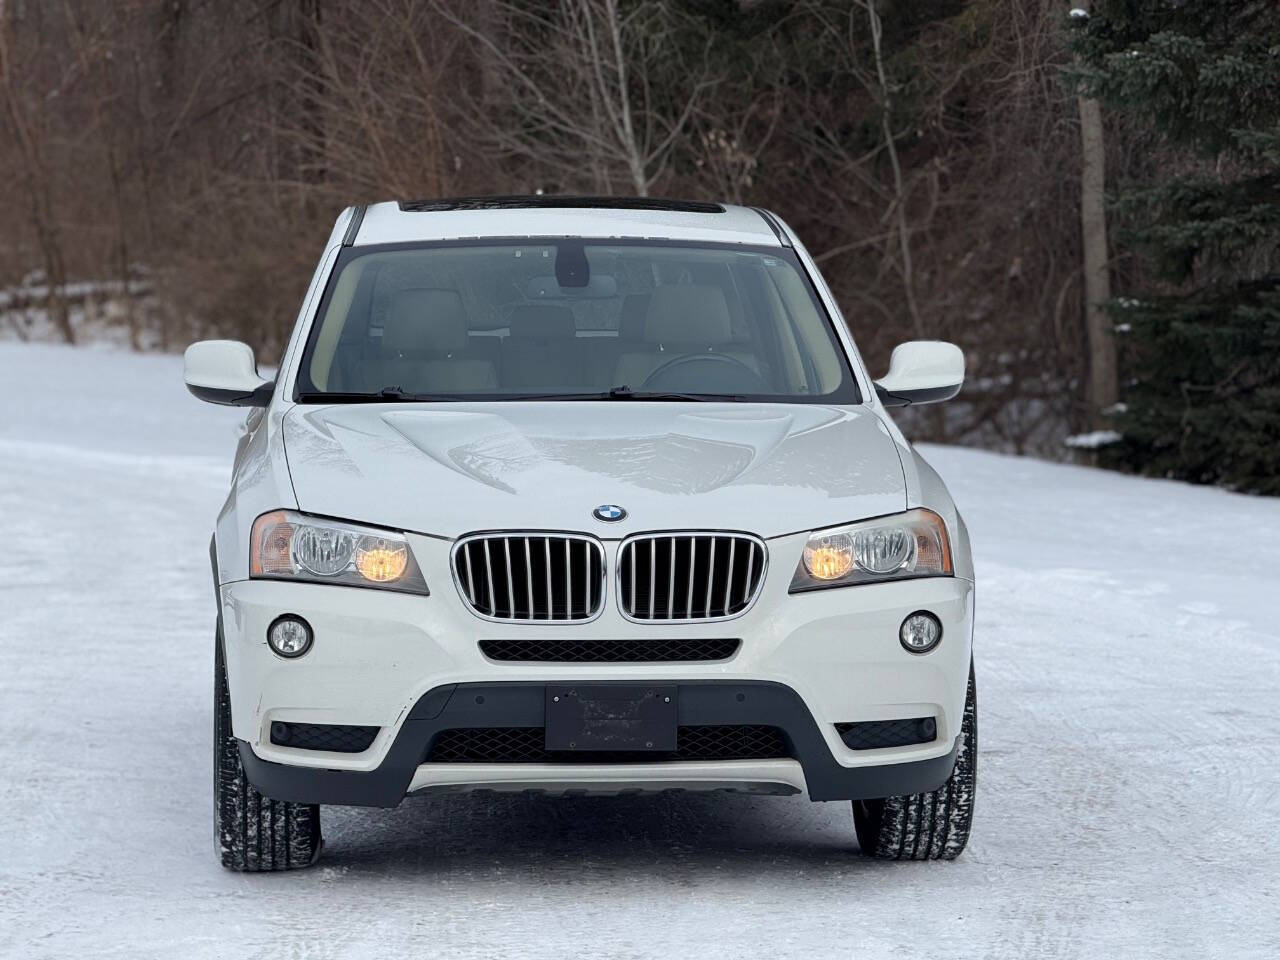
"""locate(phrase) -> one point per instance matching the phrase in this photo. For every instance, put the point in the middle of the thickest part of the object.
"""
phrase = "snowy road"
(1129, 777)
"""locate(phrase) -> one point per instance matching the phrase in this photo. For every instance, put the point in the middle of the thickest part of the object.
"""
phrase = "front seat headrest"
(688, 313)
(425, 320)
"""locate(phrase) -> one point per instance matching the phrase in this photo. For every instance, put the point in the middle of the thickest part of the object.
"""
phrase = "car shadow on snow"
(505, 834)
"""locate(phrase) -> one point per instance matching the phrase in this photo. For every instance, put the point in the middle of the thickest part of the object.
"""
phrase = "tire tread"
(927, 826)
(254, 834)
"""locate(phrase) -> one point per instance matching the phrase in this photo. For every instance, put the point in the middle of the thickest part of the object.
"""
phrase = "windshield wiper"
(626, 393)
(385, 395)
(397, 395)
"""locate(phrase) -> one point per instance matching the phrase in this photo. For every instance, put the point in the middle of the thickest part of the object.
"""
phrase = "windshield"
(572, 319)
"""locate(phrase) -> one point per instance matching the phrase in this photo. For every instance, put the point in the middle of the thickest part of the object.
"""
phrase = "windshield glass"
(566, 319)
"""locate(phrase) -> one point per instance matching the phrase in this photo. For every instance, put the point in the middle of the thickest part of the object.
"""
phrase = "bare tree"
(1103, 389)
(583, 87)
(888, 204)
(374, 85)
(898, 210)
(928, 155)
(28, 137)
(93, 57)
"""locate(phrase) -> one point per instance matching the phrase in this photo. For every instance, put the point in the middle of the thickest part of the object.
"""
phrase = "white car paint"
(387, 223)
(923, 365)
(674, 466)
(376, 653)
(222, 365)
(437, 471)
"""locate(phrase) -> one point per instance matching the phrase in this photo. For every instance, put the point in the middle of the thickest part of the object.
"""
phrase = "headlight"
(291, 546)
(911, 544)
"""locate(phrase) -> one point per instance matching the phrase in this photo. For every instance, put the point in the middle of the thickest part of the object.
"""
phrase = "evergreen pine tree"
(1201, 387)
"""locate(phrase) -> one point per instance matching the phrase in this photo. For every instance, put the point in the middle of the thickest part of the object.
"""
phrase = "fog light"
(289, 636)
(920, 632)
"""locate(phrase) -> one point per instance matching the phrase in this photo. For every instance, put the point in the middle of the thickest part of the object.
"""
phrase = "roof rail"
(544, 201)
(353, 225)
(772, 221)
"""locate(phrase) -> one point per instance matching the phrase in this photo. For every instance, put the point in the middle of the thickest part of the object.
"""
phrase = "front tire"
(926, 826)
(254, 834)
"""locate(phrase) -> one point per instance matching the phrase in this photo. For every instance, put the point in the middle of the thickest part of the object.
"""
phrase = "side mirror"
(225, 371)
(922, 371)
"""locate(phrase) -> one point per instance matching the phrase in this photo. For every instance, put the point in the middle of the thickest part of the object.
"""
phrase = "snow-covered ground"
(1128, 659)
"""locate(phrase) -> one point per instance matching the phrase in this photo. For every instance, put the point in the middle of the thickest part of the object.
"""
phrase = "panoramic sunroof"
(544, 201)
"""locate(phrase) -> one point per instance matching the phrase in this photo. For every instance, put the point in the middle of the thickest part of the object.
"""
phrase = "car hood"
(449, 469)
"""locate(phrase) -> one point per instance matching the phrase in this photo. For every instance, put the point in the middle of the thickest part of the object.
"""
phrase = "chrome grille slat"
(671, 582)
(711, 578)
(511, 590)
(728, 581)
(488, 569)
(518, 565)
(653, 566)
(546, 542)
(528, 577)
(693, 566)
(568, 579)
(716, 575)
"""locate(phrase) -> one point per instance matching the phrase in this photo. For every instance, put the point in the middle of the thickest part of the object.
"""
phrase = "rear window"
(568, 318)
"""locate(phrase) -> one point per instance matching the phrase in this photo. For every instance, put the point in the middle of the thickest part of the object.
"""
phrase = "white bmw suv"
(583, 495)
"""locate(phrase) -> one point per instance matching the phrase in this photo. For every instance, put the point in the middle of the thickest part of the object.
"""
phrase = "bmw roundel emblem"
(609, 513)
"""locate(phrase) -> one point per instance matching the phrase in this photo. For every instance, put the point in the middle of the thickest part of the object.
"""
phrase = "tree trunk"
(1097, 277)
(899, 193)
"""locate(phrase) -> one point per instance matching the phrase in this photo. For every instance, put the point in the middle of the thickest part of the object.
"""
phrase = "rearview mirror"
(921, 371)
(600, 286)
(225, 371)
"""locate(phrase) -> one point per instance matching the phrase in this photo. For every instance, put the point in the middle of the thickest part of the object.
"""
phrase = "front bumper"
(411, 666)
(706, 703)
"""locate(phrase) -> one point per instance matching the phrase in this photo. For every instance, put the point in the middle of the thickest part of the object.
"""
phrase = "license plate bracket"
(618, 717)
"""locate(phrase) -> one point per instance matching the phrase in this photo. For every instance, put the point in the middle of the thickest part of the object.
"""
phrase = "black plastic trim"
(261, 397)
(331, 737)
(554, 202)
(353, 225)
(908, 397)
(664, 650)
(878, 734)
(522, 704)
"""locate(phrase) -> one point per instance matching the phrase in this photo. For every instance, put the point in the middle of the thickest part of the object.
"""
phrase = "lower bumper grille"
(335, 738)
(526, 745)
(875, 734)
(609, 651)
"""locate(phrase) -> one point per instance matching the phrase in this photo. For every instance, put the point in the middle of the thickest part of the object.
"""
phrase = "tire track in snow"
(1127, 777)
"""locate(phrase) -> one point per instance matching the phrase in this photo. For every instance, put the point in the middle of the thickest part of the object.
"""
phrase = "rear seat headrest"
(424, 319)
(540, 321)
(688, 313)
